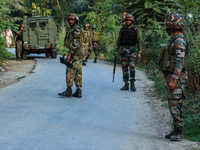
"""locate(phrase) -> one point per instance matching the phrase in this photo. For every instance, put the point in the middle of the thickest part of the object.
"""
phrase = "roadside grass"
(191, 130)
(5, 55)
(159, 82)
(191, 112)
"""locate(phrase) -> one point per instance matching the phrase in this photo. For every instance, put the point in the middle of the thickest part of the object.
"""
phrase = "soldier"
(95, 39)
(19, 42)
(86, 41)
(73, 41)
(128, 39)
(174, 70)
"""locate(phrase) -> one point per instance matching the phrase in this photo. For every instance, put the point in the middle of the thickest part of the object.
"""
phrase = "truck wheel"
(24, 55)
(54, 54)
(47, 54)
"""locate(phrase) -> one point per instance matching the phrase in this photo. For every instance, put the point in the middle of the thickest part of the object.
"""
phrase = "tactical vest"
(95, 36)
(20, 36)
(86, 36)
(69, 39)
(129, 36)
(168, 56)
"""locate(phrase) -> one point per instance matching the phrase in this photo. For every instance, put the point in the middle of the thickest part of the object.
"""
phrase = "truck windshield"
(32, 26)
(42, 25)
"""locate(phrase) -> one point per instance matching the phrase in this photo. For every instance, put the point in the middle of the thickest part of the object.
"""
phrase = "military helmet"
(94, 26)
(129, 17)
(73, 16)
(86, 24)
(174, 21)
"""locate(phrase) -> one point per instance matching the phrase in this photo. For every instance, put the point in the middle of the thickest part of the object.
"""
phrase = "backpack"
(86, 36)
(164, 54)
(95, 36)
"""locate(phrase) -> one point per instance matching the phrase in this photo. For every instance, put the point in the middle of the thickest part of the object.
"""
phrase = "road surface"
(34, 117)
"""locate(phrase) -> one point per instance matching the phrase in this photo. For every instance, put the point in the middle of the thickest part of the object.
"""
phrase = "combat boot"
(133, 89)
(95, 60)
(167, 136)
(177, 136)
(78, 93)
(67, 93)
(86, 60)
(125, 87)
(83, 63)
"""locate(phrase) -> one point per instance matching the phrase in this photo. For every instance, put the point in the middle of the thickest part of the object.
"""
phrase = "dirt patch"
(15, 70)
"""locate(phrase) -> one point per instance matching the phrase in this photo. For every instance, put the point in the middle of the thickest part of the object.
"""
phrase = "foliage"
(5, 22)
(4, 53)
(4, 17)
(60, 41)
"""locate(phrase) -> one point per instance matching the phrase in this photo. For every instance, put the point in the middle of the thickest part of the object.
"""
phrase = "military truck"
(39, 36)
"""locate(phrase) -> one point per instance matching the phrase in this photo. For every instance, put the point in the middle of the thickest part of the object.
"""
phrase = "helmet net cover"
(129, 17)
(94, 26)
(174, 21)
(86, 24)
(73, 16)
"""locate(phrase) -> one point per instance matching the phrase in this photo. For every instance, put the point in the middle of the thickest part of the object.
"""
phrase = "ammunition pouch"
(79, 52)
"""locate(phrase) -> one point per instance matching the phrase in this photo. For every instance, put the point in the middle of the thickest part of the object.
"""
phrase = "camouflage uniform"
(174, 69)
(128, 56)
(18, 49)
(73, 41)
(176, 73)
(19, 43)
(86, 42)
(95, 44)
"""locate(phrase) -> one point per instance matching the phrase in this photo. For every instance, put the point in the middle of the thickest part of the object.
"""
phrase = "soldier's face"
(71, 22)
(87, 28)
(128, 22)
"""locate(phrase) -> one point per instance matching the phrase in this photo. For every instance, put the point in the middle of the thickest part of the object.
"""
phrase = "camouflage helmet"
(86, 24)
(129, 17)
(174, 21)
(94, 26)
(73, 16)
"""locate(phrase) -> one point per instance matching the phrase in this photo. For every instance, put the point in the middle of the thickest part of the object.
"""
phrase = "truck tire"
(47, 54)
(53, 54)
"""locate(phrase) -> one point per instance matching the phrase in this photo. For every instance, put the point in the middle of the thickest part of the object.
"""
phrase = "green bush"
(5, 55)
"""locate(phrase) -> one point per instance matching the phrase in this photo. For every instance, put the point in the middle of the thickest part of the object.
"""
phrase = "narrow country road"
(34, 117)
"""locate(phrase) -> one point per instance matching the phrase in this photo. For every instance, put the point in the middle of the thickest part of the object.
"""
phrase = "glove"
(172, 86)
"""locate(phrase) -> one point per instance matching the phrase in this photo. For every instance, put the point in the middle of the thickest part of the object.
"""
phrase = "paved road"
(34, 117)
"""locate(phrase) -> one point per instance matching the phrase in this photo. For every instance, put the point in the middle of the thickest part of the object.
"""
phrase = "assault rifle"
(64, 61)
(115, 61)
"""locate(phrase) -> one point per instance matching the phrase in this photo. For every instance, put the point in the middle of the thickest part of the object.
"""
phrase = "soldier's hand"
(172, 86)
(139, 55)
(69, 57)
